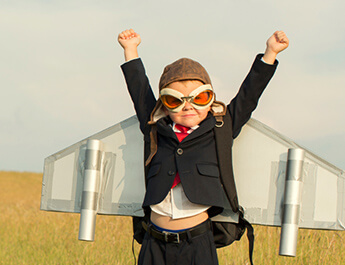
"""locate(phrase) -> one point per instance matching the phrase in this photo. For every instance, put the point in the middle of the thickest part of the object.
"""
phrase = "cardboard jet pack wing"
(104, 174)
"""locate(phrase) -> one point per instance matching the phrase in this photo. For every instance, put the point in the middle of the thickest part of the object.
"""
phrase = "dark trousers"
(199, 250)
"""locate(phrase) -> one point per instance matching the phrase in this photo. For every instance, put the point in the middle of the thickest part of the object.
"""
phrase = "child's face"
(188, 116)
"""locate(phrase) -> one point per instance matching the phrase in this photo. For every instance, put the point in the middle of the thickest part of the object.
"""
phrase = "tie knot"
(182, 128)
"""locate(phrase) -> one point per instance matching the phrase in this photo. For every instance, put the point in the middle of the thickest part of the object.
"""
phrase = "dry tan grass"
(31, 236)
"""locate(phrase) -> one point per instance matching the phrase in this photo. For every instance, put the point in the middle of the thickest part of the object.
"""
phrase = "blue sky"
(60, 78)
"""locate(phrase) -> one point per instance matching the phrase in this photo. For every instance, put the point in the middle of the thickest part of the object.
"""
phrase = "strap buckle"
(168, 235)
(219, 121)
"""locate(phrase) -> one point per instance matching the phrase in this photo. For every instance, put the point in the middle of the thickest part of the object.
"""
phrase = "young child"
(183, 189)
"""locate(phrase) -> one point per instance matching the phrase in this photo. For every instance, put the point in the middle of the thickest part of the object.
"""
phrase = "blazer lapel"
(164, 128)
(205, 126)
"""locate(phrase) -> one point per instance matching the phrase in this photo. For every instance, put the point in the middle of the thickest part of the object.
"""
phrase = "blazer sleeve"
(247, 98)
(140, 91)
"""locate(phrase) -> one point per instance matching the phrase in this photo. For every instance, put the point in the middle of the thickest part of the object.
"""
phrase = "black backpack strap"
(223, 136)
(224, 141)
(250, 234)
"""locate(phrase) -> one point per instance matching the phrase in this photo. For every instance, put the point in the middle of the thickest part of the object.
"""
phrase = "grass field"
(31, 236)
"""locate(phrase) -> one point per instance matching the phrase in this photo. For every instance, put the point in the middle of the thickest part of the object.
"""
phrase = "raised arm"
(137, 82)
(129, 41)
(247, 98)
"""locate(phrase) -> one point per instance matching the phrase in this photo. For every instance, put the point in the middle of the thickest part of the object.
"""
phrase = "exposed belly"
(178, 224)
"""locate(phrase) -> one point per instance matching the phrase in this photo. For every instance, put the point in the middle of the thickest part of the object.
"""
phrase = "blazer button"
(171, 173)
(179, 151)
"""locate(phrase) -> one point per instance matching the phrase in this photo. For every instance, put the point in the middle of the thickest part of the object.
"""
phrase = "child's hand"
(278, 42)
(129, 39)
(274, 45)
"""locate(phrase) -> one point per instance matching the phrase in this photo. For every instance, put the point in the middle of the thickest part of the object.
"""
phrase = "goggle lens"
(203, 98)
(171, 102)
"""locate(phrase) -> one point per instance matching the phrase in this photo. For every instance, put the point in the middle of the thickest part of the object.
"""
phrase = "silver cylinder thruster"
(292, 202)
(91, 187)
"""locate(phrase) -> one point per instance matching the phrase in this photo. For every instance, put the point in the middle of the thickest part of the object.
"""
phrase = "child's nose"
(187, 106)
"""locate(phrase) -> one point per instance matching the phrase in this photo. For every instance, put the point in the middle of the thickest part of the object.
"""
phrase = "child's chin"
(189, 123)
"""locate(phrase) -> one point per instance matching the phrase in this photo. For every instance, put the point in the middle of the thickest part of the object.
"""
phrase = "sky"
(60, 76)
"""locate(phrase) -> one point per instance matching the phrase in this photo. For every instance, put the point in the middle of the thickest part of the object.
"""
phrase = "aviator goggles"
(200, 98)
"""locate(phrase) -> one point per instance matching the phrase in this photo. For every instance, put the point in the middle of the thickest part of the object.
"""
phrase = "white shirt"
(176, 204)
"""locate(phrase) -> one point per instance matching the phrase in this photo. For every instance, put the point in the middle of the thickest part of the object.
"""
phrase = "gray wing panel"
(260, 157)
(122, 185)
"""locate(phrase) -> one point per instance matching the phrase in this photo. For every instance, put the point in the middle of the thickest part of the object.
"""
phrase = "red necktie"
(180, 136)
(183, 132)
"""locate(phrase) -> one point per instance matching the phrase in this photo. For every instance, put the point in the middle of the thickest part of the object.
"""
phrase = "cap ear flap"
(218, 108)
(153, 145)
(157, 113)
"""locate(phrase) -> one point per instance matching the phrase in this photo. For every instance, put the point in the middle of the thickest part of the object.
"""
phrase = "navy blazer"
(195, 158)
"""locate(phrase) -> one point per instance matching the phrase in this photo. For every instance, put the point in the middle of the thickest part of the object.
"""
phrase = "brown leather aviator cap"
(183, 69)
